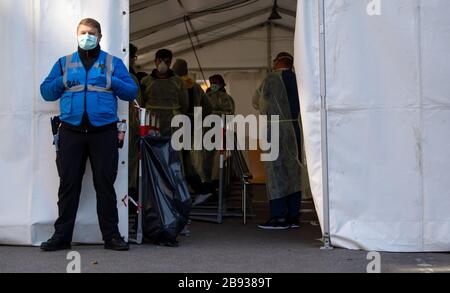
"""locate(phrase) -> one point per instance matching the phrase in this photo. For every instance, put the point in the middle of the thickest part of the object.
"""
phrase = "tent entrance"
(237, 40)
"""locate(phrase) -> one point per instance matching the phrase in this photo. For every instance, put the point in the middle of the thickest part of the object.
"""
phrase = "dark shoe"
(117, 244)
(275, 224)
(294, 223)
(54, 244)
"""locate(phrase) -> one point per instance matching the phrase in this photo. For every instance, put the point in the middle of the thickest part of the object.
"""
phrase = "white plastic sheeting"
(36, 33)
(388, 98)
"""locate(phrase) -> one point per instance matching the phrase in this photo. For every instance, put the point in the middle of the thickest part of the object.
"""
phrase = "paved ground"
(227, 248)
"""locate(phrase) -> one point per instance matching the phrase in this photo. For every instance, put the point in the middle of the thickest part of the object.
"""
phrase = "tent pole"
(139, 206)
(139, 232)
(324, 129)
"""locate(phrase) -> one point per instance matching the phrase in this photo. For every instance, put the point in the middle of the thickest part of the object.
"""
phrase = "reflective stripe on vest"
(80, 88)
(109, 60)
(91, 88)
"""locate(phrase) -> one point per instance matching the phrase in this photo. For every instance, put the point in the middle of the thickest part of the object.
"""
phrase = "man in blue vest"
(87, 83)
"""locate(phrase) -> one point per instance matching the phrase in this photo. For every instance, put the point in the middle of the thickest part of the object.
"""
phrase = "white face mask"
(87, 42)
(163, 68)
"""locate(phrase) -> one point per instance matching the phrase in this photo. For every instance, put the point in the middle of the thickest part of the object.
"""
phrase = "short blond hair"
(90, 22)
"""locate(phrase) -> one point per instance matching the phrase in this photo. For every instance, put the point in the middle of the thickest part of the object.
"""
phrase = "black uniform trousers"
(101, 147)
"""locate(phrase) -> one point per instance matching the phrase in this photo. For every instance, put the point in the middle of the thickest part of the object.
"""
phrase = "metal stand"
(244, 200)
(216, 214)
(326, 243)
(221, 188)
(143, 129)
(139, 233)
(203, 216)
(221, 172)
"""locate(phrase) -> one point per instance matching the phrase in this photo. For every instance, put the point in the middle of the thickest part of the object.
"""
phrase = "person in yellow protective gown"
(278, 95)
(193, 159)
(221, 104)
(164, 93)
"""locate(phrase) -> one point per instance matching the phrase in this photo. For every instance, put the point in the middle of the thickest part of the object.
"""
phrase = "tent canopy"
(208, 22)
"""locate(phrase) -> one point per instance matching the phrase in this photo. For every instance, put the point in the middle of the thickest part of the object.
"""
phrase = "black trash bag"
(166, 199)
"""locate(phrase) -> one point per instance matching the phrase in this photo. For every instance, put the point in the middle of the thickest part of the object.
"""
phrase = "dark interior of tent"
(239, 40)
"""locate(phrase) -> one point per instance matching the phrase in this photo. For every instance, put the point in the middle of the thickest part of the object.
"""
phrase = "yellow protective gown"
(166, 98)
(221, 104)
(284, 174)
(194, 160)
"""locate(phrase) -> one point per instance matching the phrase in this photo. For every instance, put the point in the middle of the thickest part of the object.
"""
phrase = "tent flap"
(388, 109)
(40, 32)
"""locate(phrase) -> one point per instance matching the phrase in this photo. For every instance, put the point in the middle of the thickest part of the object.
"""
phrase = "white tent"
(383, 83)
(382, 77)
(38, 33)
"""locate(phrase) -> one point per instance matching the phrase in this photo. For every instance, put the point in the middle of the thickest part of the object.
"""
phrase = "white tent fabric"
(388, 121)
(36, 34)
(388, 110)
(160, 24)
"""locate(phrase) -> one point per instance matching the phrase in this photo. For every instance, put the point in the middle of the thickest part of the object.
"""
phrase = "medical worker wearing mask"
(164, 93)
(87, 84)
(278, 95)
(221, 104)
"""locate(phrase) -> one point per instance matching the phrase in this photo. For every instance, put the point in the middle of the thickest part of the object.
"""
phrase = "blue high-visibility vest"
(94, 92)
(88, 91)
